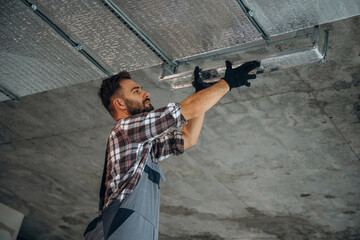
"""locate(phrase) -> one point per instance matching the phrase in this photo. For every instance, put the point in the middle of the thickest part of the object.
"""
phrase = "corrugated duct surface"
(101, 33)
(281, 16)
(33, 57)
(186, 28)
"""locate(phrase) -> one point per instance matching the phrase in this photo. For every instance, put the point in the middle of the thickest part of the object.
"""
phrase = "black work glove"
(239, 76)
(198, 82)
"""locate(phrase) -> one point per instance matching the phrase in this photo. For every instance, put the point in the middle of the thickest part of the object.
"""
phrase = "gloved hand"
(198, 82)
(239, 76)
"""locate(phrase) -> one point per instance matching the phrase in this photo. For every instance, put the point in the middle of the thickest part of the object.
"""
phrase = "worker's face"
(136, 99)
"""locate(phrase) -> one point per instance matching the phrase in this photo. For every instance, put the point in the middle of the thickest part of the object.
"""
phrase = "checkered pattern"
(132, 140)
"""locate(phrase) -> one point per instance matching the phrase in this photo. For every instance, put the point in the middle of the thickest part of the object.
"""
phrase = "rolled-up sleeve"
(145, 127)
(171, 143)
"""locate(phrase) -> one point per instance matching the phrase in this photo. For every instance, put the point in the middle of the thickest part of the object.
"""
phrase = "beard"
(134, 107)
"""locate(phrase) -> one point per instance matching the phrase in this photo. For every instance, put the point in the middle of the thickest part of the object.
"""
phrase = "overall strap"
(102, 185)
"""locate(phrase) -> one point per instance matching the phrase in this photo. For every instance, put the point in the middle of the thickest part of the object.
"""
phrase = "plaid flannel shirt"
(130, 142)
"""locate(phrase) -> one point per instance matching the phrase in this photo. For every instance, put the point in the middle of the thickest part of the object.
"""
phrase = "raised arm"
(198, 103)
(191, 131)
(194, 107)
(202, 101)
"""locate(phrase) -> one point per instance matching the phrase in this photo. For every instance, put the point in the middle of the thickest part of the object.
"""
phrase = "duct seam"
(250, 14)
(57, 29)
(169, 65)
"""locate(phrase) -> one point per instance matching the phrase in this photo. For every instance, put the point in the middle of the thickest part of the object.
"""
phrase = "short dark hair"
(109, 87)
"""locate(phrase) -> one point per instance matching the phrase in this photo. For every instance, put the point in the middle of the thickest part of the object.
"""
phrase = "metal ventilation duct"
(281, 16)
(309, 48)
(101, 33)
(34, 58)
(186, 28)
(270, 64)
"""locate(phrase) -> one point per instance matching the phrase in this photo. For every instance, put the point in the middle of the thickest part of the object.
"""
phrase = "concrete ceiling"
(278, 160)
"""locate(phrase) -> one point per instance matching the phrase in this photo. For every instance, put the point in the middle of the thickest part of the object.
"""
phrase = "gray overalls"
(137, 217)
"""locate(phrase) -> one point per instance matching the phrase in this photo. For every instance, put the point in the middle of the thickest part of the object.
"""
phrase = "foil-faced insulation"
(33, 57)
(277, 17)
(186, 28)
(268, 64)
(100, 32)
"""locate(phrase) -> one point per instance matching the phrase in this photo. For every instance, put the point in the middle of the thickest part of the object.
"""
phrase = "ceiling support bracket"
(58, 30)
(325, 46)
(169, 66)
(169, 69)
(250, 14)
(316, 39)
(9, 94)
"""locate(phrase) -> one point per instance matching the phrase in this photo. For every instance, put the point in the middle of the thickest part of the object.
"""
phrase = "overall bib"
(137, 217)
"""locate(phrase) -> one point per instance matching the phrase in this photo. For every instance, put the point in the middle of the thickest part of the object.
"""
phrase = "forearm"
(198, 103)
(191, 131)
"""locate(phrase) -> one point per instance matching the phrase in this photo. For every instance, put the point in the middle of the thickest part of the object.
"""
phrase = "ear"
(119, 103)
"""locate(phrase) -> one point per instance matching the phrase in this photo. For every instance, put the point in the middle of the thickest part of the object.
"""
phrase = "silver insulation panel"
(186, 28)
(102, 34)
(282, 16)
(33, 57)
(268, 64)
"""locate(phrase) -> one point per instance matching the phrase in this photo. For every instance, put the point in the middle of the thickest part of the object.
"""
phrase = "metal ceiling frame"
(58, 30)
(169, 66)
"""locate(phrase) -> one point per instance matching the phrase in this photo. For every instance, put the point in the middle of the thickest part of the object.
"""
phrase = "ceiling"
(278, 160)
(52, 44)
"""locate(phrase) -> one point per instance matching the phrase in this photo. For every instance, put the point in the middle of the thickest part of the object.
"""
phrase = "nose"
(146, 95)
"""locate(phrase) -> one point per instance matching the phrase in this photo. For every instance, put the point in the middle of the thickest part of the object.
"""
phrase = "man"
(142, 136)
